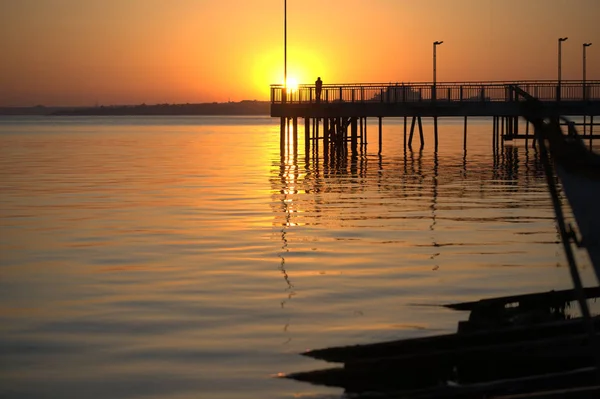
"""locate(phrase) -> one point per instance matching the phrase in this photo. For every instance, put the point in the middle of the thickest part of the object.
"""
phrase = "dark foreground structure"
(339, 114)
(524, 346)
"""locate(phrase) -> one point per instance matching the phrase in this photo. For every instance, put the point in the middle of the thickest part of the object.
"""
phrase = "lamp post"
(585, 46)
(284, 51)
(435, 44)
(558, 89)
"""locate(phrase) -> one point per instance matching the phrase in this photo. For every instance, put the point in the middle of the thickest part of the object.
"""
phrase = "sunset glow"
(64, 52)
(292, 84)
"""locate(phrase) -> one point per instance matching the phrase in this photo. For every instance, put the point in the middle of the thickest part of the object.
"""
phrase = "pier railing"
(568, 90)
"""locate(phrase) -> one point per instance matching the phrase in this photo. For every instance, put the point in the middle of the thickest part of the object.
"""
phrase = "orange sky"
(83, 52)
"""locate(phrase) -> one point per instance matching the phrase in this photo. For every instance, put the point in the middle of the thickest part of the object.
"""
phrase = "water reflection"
(404, 175)
(396, 197)
(384, 221)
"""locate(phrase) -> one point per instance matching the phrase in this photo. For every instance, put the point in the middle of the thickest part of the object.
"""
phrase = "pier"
(338, 114)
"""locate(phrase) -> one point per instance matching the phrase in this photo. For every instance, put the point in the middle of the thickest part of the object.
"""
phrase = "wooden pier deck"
(426, 99)
(343, 107)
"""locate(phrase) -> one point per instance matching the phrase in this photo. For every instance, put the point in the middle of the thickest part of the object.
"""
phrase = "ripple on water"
(187, 257)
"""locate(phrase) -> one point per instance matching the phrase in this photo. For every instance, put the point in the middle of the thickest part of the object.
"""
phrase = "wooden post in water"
(465, 135)
(412, 131)
(295, 133)
(421, 134)
(435, 133)
(282, 136)
(404, 133)
(317, 137)
(365, 141)
(361, 131)
(494, 127)
(306, 135)
(354, 135)
(325, 134)
(499, 129)
(380, 133)
(526, 133)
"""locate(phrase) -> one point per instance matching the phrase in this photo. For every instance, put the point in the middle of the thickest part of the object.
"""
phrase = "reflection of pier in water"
(511, 166)
(345, 190)
(413, 199)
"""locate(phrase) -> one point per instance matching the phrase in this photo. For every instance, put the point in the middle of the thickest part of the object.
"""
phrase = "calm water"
(188, 258)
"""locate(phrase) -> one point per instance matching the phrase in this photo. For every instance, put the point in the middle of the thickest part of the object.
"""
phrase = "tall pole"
(434, 64)
(285, 42)
(585, 46)
(558, 90)
(435, 44)
(284, 50)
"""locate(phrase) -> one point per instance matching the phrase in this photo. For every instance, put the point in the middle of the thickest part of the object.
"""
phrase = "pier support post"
(421, 133)
(325, 134)
(362, 132)
(380, 133)
(435, 133)
(366, 136)
(354, 135)
(412, 131)
(465, 135)
(494, 127)
(282, 135)
(316, 145)
(295, 134)
(405, 134)
(306, 135)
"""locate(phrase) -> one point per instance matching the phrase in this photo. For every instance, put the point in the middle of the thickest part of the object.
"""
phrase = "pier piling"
(380, 133)
(435, 133)
(412, 131)
(465, 135)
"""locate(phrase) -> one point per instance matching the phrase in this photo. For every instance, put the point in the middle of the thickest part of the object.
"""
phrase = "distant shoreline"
(242, 108)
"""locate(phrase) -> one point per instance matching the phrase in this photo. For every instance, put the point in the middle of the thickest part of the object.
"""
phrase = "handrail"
(458, 82)
(544, 90)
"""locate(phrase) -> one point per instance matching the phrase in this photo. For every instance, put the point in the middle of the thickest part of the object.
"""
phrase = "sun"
(292, 84)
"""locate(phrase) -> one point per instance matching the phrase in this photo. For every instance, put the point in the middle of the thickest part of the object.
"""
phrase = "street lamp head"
(562, 39)
(436, 43)
(587, 44)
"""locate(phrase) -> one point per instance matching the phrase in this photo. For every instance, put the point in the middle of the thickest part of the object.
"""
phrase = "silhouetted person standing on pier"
(318, 88)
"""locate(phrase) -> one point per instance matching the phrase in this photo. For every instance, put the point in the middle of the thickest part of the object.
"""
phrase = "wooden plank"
(450, 341)
(542, 298)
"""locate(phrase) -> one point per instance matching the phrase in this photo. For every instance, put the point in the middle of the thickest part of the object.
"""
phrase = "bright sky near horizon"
(86, 52)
